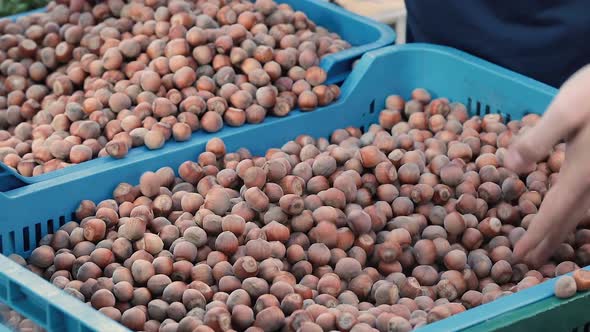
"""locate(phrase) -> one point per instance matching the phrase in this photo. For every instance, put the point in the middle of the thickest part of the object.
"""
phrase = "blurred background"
(11, 7)
(391, 12)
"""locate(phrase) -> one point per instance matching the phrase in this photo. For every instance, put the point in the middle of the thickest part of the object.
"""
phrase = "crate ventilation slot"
(372, 107)
(62, 220)
(39, 233)
(476, 107)
(26, 243)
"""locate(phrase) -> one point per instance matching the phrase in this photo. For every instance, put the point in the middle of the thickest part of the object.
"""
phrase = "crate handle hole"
(56, 319)
(24, 302)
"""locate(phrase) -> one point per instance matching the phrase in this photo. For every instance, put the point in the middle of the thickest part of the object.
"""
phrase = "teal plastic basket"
(28, 213)
(362, 33)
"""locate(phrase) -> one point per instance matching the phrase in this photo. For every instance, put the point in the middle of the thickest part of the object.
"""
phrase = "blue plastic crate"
(28, 213)
(23, 14)
(46, 304)
(362, 33)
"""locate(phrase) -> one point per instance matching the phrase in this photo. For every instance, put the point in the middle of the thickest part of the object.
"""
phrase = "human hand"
(566, 203)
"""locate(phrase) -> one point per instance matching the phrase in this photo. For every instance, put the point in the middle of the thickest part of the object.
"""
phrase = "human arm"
(566, 203)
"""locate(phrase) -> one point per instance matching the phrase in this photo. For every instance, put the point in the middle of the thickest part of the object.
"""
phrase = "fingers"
(537, 142)
(540, 254)
(563, 207)
(558, 202)
(564, 116)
